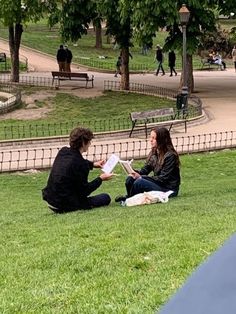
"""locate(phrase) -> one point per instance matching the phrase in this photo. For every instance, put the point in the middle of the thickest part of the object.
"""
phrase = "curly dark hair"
(80, 136)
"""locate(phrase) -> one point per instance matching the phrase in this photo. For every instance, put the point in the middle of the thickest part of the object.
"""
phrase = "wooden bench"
(210, 65)
(60, 76)
(145, 117)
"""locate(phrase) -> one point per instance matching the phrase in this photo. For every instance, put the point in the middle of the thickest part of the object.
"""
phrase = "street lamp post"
(184, 15)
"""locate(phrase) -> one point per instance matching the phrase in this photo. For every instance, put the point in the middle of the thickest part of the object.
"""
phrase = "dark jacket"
(68, 187)
(159, 55)
(172, 58)
(61, 55)
(167, 175)
(69, 56)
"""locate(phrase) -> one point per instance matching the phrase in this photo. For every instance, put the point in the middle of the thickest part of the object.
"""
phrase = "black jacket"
(69, 56)
(61, 55)
(172, 58)
(159, 55)
(68, 187)
(167, 175)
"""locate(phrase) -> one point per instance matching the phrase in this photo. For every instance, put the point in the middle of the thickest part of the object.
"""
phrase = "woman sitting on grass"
(68, 188)
(163, 161)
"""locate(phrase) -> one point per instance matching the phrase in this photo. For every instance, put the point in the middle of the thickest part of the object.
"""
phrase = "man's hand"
(106, 176)
(99, 163)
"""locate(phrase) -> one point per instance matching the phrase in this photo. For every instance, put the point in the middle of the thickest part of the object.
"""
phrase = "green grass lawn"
(109, 109)
(115, 259)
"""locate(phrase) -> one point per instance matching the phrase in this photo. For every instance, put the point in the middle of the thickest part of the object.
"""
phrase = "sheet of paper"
(110, 163)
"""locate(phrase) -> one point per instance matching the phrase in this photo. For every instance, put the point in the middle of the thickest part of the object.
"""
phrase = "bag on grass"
(148, 198)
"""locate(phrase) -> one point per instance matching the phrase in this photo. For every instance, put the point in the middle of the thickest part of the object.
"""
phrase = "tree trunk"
(189, 70)
(98, 30)
(14, 45)
(125, 68)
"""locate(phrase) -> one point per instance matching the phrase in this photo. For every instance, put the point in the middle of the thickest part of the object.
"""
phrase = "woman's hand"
(135, 175)
(99, 163)
(106, 176)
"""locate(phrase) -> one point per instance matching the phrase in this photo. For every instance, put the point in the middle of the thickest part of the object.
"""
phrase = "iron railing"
(43, 157)
(33, 129)
(102, 63)
(27, 80)
(141, 88)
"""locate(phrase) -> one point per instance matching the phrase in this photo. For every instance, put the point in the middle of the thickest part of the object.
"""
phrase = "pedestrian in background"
(160, 59)
(118, 66)
(69, 57)
(234, 57)
(172, 59)
(61, 58)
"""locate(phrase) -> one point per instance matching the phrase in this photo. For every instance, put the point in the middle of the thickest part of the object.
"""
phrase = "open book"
(113, 161)
(126, 165)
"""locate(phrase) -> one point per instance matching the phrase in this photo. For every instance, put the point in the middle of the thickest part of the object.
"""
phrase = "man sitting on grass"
(68, 188)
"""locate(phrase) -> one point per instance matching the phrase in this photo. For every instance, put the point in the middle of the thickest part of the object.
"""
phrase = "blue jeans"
(140, 185)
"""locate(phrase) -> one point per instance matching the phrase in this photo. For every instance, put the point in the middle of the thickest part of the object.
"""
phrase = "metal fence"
(102, 63)
(35, 129)
(27, 80)
(195, 103)
(41, 158)
(141, 88)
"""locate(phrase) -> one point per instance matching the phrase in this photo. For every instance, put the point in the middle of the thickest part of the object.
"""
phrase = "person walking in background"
(160, 59)
(118, 66)
(163, 161)
(69, 57)
(234, 57)
(61, 58)
(68, 188)
(172, 59)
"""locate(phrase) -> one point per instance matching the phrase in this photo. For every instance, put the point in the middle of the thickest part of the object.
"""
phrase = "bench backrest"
(164, 112)
(69, 74)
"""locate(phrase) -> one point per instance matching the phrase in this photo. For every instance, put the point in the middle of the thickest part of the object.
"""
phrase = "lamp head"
(184, 14)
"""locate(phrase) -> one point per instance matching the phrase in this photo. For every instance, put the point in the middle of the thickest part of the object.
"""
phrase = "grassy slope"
(70, 109)
(115, 259)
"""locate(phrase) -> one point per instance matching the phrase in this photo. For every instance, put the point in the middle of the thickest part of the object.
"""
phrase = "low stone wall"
(12, 99)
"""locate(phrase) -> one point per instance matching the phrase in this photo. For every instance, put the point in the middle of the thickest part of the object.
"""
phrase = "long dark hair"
(164, 145)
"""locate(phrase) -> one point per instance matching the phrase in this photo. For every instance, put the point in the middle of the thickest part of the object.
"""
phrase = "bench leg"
(170, 127)
(133, 125)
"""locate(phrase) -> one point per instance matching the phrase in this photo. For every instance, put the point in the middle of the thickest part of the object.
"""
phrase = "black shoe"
(120, 198)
